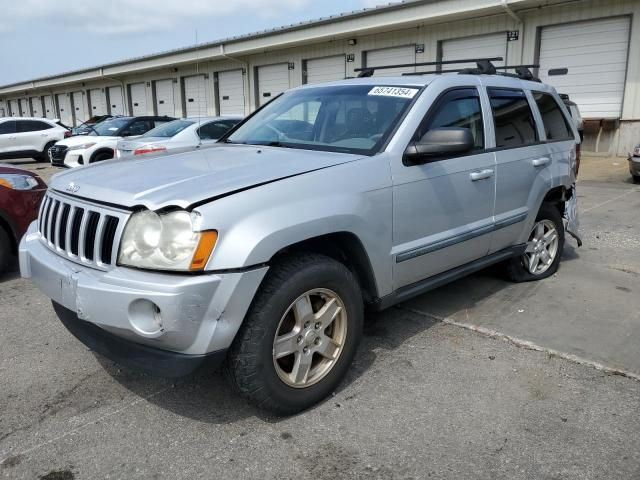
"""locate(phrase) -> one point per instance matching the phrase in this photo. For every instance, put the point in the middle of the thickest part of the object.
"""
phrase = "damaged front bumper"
(129, 314)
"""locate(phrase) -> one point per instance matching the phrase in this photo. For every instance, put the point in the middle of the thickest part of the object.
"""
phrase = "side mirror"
(441, 142)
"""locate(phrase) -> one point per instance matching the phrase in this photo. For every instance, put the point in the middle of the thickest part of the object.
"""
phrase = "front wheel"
(544, 248)
(300, 335)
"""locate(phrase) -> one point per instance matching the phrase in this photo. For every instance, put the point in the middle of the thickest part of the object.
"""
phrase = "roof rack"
(368, 71)
(484, 66)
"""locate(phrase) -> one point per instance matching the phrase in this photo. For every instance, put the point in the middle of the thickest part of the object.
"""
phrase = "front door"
(443, 208)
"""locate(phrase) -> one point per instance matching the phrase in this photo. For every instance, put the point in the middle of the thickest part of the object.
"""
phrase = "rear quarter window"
(555, 123)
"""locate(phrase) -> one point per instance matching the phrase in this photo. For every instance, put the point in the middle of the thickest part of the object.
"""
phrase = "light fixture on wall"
(352, 41)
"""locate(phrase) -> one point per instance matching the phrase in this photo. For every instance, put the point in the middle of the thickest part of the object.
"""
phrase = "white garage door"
(98, 102)
(79, 108)
(64, 108)
(481, 46)
(15, 109)
(49, 109)
(116, 102)
(138, 98)
(328, 69)
(392, 56)
(231, 92)
(272, 81)
(595, 52)
(36, 106)
(195, 96)
(24, 107)
(165, 103)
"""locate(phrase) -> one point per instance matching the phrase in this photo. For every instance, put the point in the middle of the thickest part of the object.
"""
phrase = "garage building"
(597, 40)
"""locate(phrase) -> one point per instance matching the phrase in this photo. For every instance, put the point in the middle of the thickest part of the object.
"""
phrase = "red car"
(21, 192)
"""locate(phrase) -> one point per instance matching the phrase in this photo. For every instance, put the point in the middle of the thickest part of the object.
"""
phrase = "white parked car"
(178, 136)
(100, 144)
(22, 137)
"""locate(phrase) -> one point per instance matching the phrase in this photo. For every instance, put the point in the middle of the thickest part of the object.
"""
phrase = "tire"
(44, 155)
(251, 364)
(101, 156)
(519, 269)
(5, 250)
(635, 178)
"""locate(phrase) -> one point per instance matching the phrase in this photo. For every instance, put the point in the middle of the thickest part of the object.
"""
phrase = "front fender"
(256, 224)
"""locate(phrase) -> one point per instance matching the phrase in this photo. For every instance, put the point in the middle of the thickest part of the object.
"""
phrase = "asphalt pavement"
(480, 379)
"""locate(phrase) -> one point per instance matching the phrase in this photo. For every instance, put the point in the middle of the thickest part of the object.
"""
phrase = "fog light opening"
(145, 317)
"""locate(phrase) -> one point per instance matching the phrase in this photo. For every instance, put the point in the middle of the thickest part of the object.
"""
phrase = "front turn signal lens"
(206, 245)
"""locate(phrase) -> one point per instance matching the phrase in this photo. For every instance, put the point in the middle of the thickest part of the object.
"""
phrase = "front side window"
(554, 121)
(168, 130)
(459, 108)
(512, 118)
(347, 118)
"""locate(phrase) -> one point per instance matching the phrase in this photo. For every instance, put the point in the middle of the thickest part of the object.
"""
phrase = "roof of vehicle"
(209, 119)
(40, 119)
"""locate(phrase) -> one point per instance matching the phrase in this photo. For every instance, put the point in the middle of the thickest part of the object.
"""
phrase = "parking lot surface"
(435, 392)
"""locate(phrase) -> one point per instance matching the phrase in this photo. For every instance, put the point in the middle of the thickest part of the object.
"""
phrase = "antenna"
(198, 80)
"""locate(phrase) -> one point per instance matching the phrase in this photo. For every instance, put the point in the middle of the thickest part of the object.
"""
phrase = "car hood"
(186, 179)
(82, 139)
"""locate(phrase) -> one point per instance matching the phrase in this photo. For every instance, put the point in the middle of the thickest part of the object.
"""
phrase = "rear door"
(443, 208)
(522, 158)
(31, 135)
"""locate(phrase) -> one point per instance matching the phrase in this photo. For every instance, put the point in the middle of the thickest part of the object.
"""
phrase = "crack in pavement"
(525, 344)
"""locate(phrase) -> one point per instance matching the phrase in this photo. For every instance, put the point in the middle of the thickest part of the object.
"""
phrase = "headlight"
(166, 242)
(16, 181)
(83, 146)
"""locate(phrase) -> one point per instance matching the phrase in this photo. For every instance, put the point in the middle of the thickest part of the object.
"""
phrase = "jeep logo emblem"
(73, 188)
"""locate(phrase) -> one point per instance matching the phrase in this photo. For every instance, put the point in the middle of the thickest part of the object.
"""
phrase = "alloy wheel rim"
(542, 247)
(310, 338)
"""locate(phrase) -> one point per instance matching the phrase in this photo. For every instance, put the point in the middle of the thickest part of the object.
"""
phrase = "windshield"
(168, 130)
(347, 118)
(109, 127)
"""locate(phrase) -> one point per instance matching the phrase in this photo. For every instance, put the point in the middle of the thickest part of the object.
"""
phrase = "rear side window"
(456, 108)
(215, 130)
(8, 127)
(554, 121)
(512, 117)
(23, 126)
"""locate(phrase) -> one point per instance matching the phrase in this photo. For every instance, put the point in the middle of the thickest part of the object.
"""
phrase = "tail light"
(578, 150)
(68, 134)
(147, 150)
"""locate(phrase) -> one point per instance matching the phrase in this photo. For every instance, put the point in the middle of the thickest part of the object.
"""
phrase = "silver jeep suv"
(263, 252)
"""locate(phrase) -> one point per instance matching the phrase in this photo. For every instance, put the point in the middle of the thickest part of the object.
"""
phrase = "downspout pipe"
(510, 12)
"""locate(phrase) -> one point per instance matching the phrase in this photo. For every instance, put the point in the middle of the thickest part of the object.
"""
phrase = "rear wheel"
(44, 155)
(544, 248)
(300, 336)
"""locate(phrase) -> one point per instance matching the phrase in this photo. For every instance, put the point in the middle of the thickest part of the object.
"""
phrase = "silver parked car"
(634, 164)
(264, 252)
(178, 136)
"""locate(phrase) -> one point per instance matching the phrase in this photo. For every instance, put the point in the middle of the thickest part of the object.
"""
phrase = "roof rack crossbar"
(368, 71)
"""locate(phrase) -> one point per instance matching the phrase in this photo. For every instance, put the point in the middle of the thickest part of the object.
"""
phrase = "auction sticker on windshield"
(394, 92)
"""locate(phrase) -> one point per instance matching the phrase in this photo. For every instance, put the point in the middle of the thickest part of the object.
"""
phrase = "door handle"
(541, 162)
(481, 175)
